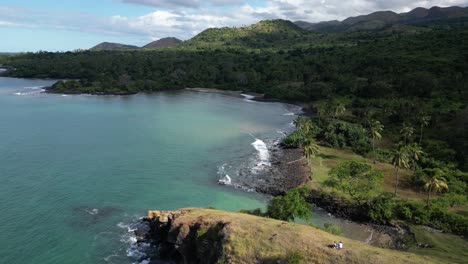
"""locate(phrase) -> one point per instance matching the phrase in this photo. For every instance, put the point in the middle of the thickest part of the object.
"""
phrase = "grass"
(447, 247)
(253, 239)
(330, 158)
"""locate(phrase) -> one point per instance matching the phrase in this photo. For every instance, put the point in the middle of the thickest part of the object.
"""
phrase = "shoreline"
(289, 169)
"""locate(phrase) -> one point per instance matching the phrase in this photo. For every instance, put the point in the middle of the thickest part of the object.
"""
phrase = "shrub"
(290, 206)
(344, 134)
(257, 212)
(293, 140)
(359, 180)
(295, 257)
(382, 208)
(332, 229)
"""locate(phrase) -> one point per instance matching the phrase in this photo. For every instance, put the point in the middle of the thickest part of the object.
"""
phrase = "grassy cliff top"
(252, 239)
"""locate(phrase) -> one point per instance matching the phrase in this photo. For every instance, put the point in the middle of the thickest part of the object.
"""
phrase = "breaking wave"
(263, 155)
(248, 97)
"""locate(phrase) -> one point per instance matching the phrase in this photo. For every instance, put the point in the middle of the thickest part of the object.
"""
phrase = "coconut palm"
(322, 110)
(407, 131)
(375, 130)
(434, 181)
(303, 125)
(311, 149)
(399, 160)
(338, 110)
(424, 122)
(414, 152)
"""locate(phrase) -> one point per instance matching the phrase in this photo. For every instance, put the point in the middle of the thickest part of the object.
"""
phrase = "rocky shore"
(289, 169)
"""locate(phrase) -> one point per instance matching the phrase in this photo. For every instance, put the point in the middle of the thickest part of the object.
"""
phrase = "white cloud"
(8, 24)
(183, 3)
(185, 18)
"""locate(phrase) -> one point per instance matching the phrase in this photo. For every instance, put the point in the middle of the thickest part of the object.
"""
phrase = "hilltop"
(211, 236)
(113, 46)
(382, 19)
(164, 42)
(264, 34)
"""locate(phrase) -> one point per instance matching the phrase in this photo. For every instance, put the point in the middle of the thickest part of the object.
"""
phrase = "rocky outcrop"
(185, 241)
(196, 235)
(338, 206)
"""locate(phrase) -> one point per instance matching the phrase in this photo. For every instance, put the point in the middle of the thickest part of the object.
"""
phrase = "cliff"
(210, 236)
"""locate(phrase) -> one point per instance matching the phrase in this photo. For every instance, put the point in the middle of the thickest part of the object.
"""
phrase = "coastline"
(289, 169)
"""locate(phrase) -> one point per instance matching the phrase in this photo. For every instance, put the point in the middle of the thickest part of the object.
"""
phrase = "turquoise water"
(76, 170)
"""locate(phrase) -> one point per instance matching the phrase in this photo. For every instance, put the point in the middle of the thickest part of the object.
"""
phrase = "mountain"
(383, 19)
(164, 42)
(113, 46)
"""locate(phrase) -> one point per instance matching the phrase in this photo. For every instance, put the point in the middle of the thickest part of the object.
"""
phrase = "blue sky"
(32, 25)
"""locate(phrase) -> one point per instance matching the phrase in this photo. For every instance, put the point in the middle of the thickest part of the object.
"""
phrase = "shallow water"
(76, 170)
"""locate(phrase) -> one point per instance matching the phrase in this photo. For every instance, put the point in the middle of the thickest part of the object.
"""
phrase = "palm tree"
(375, 130)
(414, 152)
(407, 131)
(311, 149)
(322, 110)
(425, 119)
(434, 181)
(303, 125)
(399, 160)
(338, 110)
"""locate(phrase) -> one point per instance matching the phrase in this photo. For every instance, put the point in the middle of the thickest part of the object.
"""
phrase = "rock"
(185, 242)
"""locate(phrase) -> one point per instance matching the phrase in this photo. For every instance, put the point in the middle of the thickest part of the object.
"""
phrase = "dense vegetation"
(358, 185)
(396, 96)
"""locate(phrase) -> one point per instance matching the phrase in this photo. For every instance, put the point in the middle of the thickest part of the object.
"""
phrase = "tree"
(399, 160)
(407, 131)
(311, 149)
(375, 130)
(338, 110)
(424, 122)
(357, 179)
(323, 109)
(434, 181)
(414, 152)
(303, 125)
(290, 206)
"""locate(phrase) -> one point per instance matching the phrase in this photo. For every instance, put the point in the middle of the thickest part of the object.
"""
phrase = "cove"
(77, 170)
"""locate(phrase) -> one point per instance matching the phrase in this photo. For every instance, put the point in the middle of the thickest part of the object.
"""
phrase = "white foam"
(281, 132)
(263, 155)
(30, 93)
(225, 181)
(248, 97)
(92, 211)
(289, 114)
(33, 87)
(122, 225)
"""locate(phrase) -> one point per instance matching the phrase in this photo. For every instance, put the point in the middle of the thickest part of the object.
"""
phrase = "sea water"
(77, 171)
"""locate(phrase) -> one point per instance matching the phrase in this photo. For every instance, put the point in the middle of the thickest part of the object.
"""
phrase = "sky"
(33, 25)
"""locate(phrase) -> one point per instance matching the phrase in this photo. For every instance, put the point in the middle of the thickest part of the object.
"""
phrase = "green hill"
(264, 34)
(212, 236)
(384, 19)
(113, 46)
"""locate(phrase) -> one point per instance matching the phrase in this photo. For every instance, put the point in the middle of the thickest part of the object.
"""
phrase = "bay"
(77, 170)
